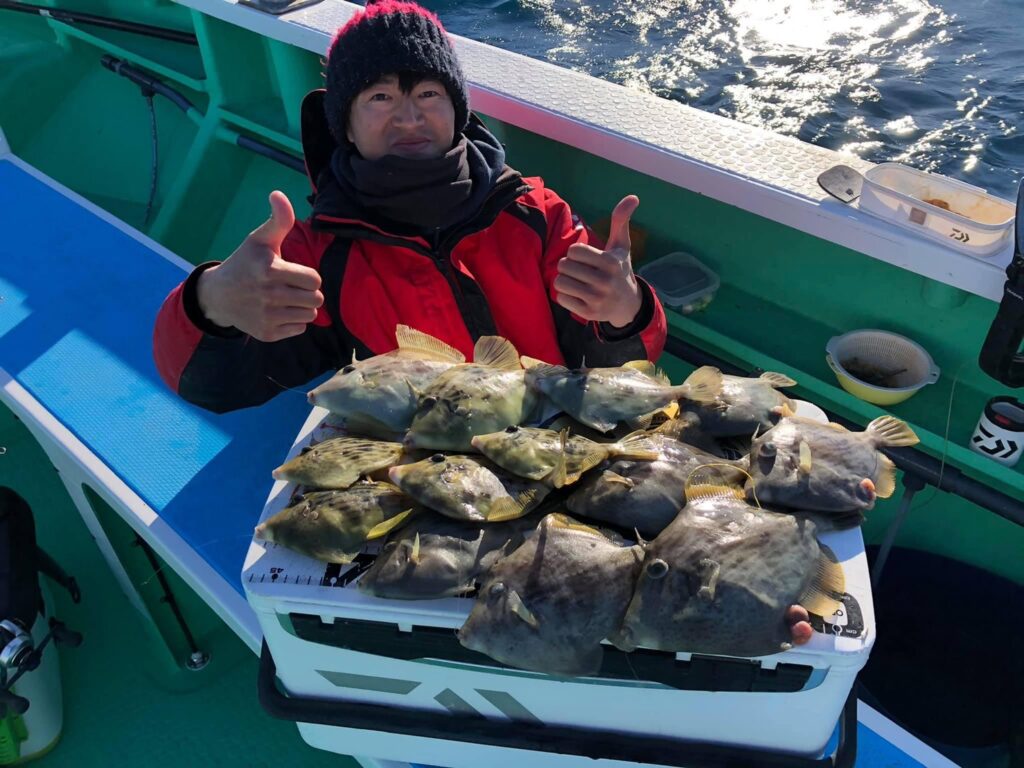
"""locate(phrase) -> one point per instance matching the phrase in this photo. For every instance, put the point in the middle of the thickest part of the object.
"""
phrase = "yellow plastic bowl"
(912, 365)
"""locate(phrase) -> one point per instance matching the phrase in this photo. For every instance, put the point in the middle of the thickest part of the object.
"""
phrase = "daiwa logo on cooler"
(1000, 431)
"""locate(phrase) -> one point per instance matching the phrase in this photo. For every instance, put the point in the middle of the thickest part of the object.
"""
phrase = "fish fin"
(262, 532)
(615, 477)
(823, 596)
(777, 380)
(625, 448)
(586, 464)
(710, 483)
(416, 394)
(885, 483)
(509, 508)
(837, 426)
(558, 476)
(639, 539)
(354, 359)
(558, 520)
(642, 422)
(806, 462)
(383, 529)
(891, 432)
(497, 352)
(671, 410)
(785, 410)
(414, 554)
(411, 340)
(644, 366)
(709, 571)
(532, 362)
(518, 607)
(701, 386)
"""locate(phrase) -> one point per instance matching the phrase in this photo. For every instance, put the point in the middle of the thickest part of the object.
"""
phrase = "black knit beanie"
(388, 37)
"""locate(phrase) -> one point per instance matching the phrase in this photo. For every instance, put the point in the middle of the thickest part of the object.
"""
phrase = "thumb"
(618, 232)
(275, 229)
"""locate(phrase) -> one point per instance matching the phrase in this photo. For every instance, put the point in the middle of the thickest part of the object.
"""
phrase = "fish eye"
(299, 498)
(767, 450)
(657, 569)
(429, 401)
(497, 589)
(512, 430)
(438, 458)
(306, 449)
(348, 369)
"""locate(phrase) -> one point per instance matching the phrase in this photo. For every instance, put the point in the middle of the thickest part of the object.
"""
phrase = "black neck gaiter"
(426, 194)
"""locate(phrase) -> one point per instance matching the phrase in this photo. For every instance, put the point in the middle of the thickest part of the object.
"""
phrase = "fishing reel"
(19, 654)
(1001, 356)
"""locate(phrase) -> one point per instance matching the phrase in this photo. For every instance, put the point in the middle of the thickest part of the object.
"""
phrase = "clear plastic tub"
(681, 281)
(958, 214)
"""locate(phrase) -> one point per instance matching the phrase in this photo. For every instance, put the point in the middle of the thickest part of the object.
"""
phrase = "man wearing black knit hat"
(416, 220)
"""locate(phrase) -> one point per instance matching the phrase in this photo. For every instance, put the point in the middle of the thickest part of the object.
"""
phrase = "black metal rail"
(78, 17)
(909, 460)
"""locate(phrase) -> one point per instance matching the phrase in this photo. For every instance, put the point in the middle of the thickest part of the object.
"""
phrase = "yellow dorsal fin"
(411, 340)
(644, 366)
(837, 426)
(806, 462)
(891, 432)
(785, 411)
(632, 446)
(518, 607)
(701, 386)
(384, 528)
(510, 508)
(823, 595)
(531, 362)
(414, 556)
(558, 520)
(497, 352)
(777, 380)
(885, 483)
(709, 482)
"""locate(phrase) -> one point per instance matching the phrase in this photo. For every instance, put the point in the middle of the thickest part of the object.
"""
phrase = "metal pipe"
(78, 17)
(147, 82)
(908, 460)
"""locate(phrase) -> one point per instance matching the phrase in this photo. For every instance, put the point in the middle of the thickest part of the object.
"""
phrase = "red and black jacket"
(491, 275)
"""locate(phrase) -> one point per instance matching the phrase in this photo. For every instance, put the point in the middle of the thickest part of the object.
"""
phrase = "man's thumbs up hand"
(600, 285)
(257, 291)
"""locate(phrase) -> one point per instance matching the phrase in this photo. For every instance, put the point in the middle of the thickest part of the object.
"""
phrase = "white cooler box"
(421, 697)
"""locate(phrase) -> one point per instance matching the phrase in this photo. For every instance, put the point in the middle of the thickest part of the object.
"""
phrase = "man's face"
(385, 121)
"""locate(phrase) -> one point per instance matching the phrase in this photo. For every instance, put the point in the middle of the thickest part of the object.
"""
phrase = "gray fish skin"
(452, 556)
(602, 398)
(645, 495)
(467, 401)
(840, 462)
(379, 394)
(468, 488)
(743, 406)
(339, 462)
(574, 584)
(764, 562)
(333, 525)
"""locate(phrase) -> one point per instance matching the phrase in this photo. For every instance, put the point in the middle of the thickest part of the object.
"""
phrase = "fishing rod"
(78, 17)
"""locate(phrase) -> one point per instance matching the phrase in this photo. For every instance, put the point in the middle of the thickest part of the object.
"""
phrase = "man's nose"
(408, 112)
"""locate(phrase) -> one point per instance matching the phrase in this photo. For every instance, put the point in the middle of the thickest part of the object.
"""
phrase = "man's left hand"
(600, 285)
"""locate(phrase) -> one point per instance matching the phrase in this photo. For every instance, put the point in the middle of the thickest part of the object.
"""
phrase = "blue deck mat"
(76, 323)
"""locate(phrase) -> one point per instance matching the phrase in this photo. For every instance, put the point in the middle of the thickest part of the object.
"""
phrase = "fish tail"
(702, 386)
(823, 595)
(891, 432)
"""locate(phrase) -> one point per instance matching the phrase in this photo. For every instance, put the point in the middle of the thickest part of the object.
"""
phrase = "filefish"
(338, 462)
(646, 495)
(378, 396)
(472, 399)
(804, 464)
(632, 394)
(333, 526)
(547, 606)
(468, 488)
(554, 458)
(744, 405)
(433, 556)
(720, 578)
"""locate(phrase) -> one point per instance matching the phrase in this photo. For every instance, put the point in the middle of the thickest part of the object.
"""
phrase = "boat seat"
(80, 291)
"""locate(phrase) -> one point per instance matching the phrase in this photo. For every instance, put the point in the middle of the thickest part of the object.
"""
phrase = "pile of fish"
(582, 506)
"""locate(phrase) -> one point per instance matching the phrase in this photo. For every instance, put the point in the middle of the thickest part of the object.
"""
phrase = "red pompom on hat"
(388, 37)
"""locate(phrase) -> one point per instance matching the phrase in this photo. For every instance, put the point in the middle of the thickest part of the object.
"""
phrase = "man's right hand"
(257, 291)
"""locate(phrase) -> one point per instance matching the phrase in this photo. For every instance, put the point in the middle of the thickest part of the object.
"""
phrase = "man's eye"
(428, 94)
(379, 97)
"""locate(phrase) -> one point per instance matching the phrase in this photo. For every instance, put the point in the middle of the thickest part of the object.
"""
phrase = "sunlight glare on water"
(936, 84)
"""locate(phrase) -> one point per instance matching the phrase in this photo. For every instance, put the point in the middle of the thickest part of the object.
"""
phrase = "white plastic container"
(681, 281)
(332, 642)
(974, 222)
